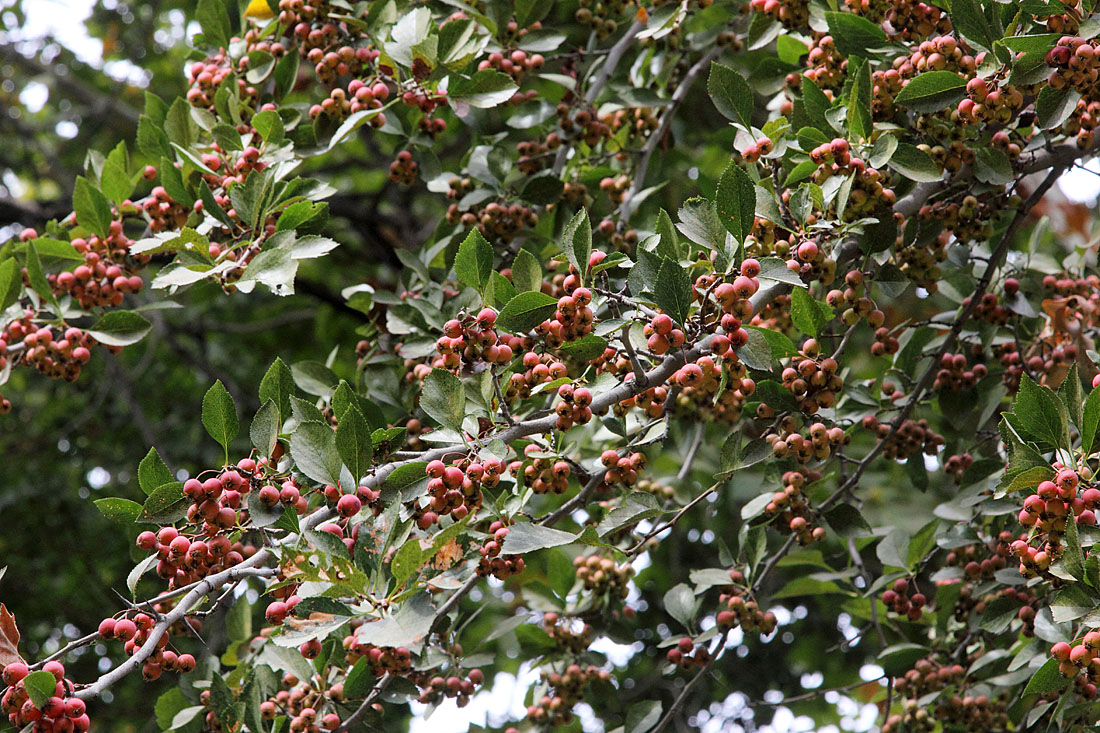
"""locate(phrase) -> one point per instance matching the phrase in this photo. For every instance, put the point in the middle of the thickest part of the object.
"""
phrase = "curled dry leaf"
(9, 638)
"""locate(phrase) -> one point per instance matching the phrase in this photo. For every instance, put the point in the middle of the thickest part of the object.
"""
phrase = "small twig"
(672, 522)
(627, 206)
(689, 459)
(573, 504)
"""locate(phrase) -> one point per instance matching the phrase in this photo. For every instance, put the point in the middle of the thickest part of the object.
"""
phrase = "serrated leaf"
(93, 210)
(313, 448)
(474, 261)
(932, 91)
(672, 292)
(577, 242)
(680, 604)
(526, 272)
(443, 398)
(914, 164)
(40, 687)
(264, 430)
(1054, 106)
(731, 94)
(527, 537)
(486, 88)
(219, 415)
(278, 385)
(152, 472)
(353, 441)
(735, 201)
(807, 314)
(525, 311)
(120, 328)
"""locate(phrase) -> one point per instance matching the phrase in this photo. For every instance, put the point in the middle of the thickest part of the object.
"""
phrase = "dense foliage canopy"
(686, 361)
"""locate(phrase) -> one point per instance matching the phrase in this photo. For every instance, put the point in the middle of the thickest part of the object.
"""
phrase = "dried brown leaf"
(9, 638)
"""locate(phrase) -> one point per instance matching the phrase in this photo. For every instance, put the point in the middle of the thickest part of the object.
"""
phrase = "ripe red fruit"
(57, 669)
(125, 629)
(276, 612)
(74, 707)
(185, 663)
(14, 672)
(349, 505)
(107, 628)
(310, 649)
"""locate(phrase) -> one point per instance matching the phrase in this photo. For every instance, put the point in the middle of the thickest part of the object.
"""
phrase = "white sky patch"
(1082, 186)
(63, 21)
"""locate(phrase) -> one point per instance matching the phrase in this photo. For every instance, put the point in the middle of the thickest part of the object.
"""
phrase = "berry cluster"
(492, 562)
(912, 437)
(905, 599)
(60, 712)
(791, 507)
(600, 575)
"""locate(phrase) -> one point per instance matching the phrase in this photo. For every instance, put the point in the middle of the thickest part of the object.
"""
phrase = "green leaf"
(1046, 679)
(525, 311)
(219, 415)
(992, 166)
(860, 116)
(353, 441)
(93, 210)
(731, 94)
(152, 472)
(264, 430)
(669, 246)
(214, 19)
(680, 604)
(313, 448)
(673, 291)
(278, 385)
(40, 687)
(1069, 391)
(474, 261)
(9, 285)
(180, 127)
(526, 272)
(1042, 413)
(577, 242)
(807, 314)
(526, 537)
(122, 511)
(408, 559)
(314, 378)
(781, 346)
(1090, 419)
(585, 348)
(115, 182)
(543, 189)
(775, 269)
(932, 91)
(1073, 557)
(37, 276)
(736, 201)
(443, 398)
(914, 164)
(642, 716)
(1054, 106)
(486, 88)
(120, 328)
(970, 22)
(853, 34)
(165, 505)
